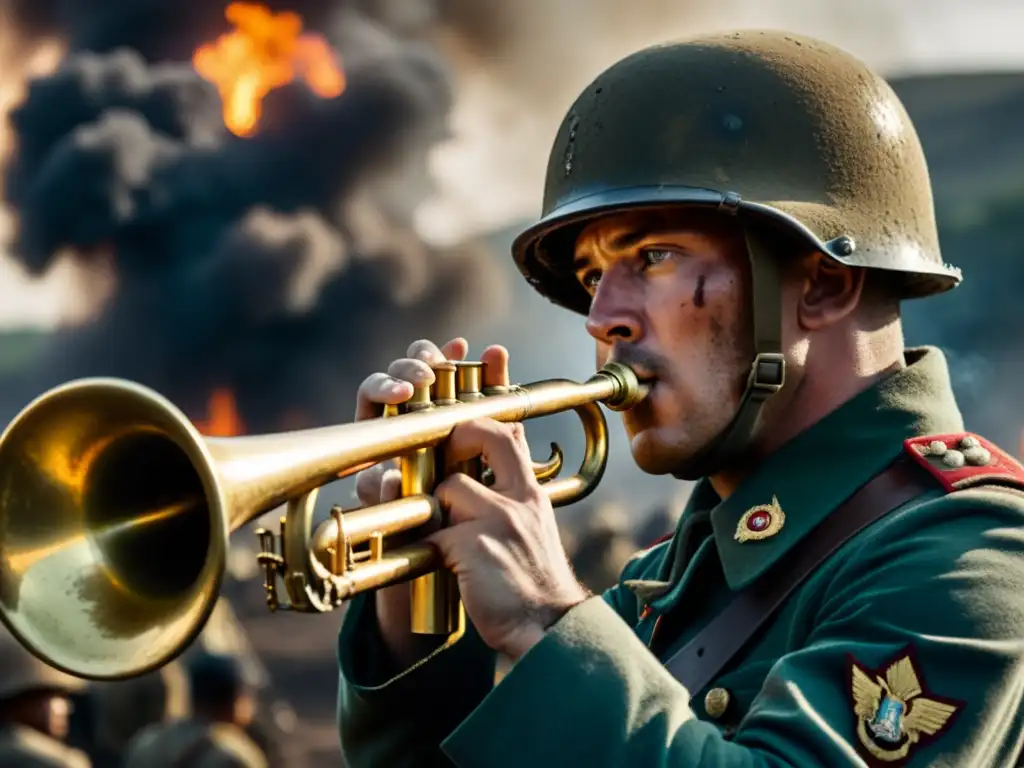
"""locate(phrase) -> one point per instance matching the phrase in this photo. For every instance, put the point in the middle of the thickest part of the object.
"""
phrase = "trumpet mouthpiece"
(630, 390)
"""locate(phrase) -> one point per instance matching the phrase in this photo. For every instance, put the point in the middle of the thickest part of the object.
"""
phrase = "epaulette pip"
(962, 460)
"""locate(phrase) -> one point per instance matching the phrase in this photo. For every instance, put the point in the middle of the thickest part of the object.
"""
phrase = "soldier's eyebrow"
(628, 239)
(621, 241)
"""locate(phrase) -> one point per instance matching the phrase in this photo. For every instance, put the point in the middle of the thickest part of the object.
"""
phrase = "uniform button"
(716, 702)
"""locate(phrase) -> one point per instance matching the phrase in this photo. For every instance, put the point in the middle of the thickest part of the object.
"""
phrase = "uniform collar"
(823, 466)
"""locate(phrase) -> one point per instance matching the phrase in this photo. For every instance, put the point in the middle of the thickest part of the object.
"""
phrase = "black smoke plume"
(284, 266)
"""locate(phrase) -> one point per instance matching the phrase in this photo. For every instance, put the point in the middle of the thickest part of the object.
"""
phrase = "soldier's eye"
(590, 279)
(654, 256)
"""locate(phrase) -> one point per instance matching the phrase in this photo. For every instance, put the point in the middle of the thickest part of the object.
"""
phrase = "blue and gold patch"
(894, 711)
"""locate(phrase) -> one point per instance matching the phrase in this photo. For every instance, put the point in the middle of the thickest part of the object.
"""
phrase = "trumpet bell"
(113, 533)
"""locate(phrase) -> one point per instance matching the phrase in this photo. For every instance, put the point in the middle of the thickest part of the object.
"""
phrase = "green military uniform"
(937, 581)
(906, 645)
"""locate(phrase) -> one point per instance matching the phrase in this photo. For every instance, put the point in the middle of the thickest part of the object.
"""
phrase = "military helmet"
(784, 133)
(764, 124)
(21, 672)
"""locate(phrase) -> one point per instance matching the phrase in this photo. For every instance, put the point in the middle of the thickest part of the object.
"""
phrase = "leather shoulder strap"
(699, 661)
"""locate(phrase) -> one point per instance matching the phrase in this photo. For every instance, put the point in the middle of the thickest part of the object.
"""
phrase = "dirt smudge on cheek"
(698, 293)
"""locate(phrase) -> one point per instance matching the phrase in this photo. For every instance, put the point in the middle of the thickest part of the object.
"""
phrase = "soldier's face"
(45, 712)
(670, 298)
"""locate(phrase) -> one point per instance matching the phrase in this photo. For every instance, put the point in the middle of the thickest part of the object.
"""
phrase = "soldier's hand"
(502, 541)
(383, 482)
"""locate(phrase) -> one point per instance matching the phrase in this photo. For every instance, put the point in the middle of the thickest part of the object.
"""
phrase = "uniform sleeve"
(391, 717)
(399, 718)
(928, 601)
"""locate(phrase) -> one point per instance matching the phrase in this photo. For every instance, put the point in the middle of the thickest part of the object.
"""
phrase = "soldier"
(215, 736)
(35, 705)
(121, 709)
(738, 217)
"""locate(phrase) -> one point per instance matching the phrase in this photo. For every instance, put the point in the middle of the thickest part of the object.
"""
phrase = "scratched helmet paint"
(764, 124)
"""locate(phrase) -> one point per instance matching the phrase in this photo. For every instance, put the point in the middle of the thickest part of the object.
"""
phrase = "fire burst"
(222, 417)
(264, 52)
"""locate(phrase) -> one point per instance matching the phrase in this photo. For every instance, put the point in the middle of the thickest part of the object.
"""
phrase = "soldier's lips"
(649, 384)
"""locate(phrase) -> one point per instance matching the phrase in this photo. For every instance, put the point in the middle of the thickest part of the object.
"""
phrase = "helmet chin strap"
(767, 372)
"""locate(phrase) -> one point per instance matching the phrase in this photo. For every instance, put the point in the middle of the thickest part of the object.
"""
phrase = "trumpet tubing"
(115, 512)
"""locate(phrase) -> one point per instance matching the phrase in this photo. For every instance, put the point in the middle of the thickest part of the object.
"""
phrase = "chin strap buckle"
(767, 374)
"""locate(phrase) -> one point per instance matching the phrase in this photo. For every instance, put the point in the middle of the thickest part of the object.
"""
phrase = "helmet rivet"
(843, 246)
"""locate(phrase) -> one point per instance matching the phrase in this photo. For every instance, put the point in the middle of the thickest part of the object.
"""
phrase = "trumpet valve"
(273, 565)
(469, 380)
(444, 390)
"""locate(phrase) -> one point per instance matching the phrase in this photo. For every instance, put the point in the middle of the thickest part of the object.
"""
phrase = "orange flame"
(222, 419)
(264, 52)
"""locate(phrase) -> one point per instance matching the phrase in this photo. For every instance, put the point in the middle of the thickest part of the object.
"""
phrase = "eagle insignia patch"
(894, 712)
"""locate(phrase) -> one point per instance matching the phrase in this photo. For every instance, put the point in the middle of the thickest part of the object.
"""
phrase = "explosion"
(279, 268)
(264, 53)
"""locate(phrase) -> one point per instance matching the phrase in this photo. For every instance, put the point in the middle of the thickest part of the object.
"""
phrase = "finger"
(500, 449)
(518, 430)
(455, 543)
(495, 360)
(380, 389)
(464, 498)
(446, 541)
(456, 349)
(427, 351)
(368, 485)
(416, 372)
(391, 485)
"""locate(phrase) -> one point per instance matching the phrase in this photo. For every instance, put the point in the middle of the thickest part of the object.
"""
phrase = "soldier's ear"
(829, 291)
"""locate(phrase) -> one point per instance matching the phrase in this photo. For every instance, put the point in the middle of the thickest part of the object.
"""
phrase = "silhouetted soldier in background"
(35, 706)
(120, 710)
(223, 707)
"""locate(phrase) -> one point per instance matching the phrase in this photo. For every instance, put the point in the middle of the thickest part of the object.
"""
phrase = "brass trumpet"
(115, 512)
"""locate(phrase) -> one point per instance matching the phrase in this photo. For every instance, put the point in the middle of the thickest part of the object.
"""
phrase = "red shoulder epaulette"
(660, 540)
(962, 460)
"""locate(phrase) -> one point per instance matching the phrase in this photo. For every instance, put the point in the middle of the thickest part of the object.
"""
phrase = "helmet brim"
(543, 252)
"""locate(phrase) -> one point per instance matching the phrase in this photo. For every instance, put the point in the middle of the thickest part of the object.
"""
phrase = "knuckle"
(496, 428)
(518, 431)
(453, 484)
